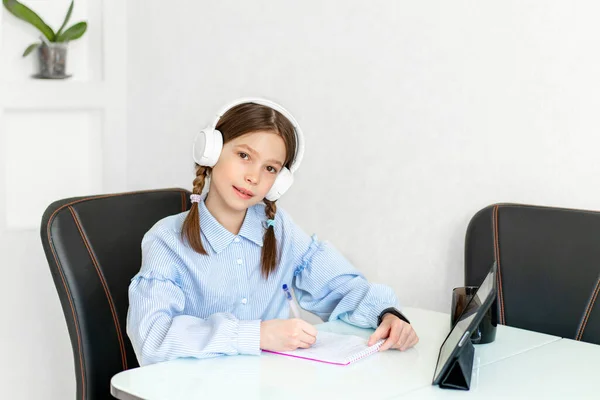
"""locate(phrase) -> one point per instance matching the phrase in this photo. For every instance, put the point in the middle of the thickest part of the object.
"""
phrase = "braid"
(199, 181)
(269, 258)
(270, 209)
(191, 225)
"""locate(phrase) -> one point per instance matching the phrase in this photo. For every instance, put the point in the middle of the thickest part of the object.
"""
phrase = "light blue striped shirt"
(185, 304)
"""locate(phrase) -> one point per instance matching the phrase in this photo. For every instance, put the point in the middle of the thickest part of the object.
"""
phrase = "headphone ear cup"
(207, 148)
(282, 183)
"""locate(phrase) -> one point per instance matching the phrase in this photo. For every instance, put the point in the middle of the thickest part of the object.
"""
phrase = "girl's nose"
(252, 178)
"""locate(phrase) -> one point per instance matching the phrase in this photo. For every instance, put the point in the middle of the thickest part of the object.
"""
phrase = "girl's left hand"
(400, 335)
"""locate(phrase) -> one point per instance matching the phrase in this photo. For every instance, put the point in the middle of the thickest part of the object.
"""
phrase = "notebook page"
(335, 348)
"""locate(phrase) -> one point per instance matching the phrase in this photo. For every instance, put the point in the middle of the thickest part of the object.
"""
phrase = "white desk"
(563, 369)
(383, 375)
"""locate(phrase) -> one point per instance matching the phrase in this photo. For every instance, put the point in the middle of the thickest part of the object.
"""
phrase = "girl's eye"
(271, 170)
(243, 155)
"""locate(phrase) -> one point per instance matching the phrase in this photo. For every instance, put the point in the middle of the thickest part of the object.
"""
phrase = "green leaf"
(26, 14)
(67, 18)
(74, 32)
(30, 48)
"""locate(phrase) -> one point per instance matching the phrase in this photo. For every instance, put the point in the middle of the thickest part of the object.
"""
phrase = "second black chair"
(548, 267)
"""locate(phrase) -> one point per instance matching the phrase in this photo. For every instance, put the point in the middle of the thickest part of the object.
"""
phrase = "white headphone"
(209, 143)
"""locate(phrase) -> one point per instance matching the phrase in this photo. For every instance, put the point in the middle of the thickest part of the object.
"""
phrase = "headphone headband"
(264, 102)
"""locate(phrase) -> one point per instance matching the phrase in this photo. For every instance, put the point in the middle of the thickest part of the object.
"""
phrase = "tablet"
(466, 324)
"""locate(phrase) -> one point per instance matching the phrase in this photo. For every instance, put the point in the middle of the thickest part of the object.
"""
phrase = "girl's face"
(246, 169)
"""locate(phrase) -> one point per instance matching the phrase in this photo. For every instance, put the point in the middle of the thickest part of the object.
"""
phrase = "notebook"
(334, 348)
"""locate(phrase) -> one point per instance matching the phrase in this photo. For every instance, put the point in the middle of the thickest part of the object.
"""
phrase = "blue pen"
(290, 300)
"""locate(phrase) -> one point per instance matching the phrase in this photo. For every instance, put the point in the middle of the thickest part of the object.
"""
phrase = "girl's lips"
(244, 194)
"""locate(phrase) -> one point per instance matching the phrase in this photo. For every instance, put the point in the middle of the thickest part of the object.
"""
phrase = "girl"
(211, 278)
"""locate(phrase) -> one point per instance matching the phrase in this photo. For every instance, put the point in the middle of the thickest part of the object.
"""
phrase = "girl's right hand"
(286, 334)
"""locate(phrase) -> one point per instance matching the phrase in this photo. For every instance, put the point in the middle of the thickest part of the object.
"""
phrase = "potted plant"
(52, 48)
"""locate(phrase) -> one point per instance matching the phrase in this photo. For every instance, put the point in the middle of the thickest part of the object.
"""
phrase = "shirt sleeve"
(328, 285)
(157, 325)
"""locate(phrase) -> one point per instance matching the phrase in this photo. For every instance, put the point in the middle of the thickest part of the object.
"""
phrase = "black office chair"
(93, 247)
(548, 267)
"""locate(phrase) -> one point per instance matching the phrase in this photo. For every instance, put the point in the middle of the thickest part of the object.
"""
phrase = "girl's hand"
(400, 335)
(286, 334)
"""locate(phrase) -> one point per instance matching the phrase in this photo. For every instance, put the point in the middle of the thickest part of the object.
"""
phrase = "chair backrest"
(93, 247)
(548, 266)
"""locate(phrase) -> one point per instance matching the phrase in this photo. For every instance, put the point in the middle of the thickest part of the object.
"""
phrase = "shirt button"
(237, 240)
(239, 261)
(244, 300)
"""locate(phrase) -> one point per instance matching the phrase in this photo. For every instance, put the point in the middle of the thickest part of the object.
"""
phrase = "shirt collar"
(219, 237)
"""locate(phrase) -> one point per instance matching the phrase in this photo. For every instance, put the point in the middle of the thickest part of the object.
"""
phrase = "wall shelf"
(55, 94)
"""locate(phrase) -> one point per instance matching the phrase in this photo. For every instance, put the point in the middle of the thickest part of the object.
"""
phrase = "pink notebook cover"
(334, 348)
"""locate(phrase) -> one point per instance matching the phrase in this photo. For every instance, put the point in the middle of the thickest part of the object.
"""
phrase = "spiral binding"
(366, 352)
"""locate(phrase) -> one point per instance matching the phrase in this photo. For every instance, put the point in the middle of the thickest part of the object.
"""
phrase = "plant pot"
(52, 59)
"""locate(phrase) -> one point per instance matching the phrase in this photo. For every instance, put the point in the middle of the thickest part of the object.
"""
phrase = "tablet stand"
(458, 375)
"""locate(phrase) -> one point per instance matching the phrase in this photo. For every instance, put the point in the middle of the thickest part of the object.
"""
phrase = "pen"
(290, 300)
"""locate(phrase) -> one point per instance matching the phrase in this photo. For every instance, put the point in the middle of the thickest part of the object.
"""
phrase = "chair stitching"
(588, 311)
(104, 285)
(497, 255)
(107, 196)
(75, 318)
(183, 202)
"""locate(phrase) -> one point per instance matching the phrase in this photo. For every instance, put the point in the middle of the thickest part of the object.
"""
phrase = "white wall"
(416, 114)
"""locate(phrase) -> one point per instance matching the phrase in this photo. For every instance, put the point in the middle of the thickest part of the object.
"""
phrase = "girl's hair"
(237, 121)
